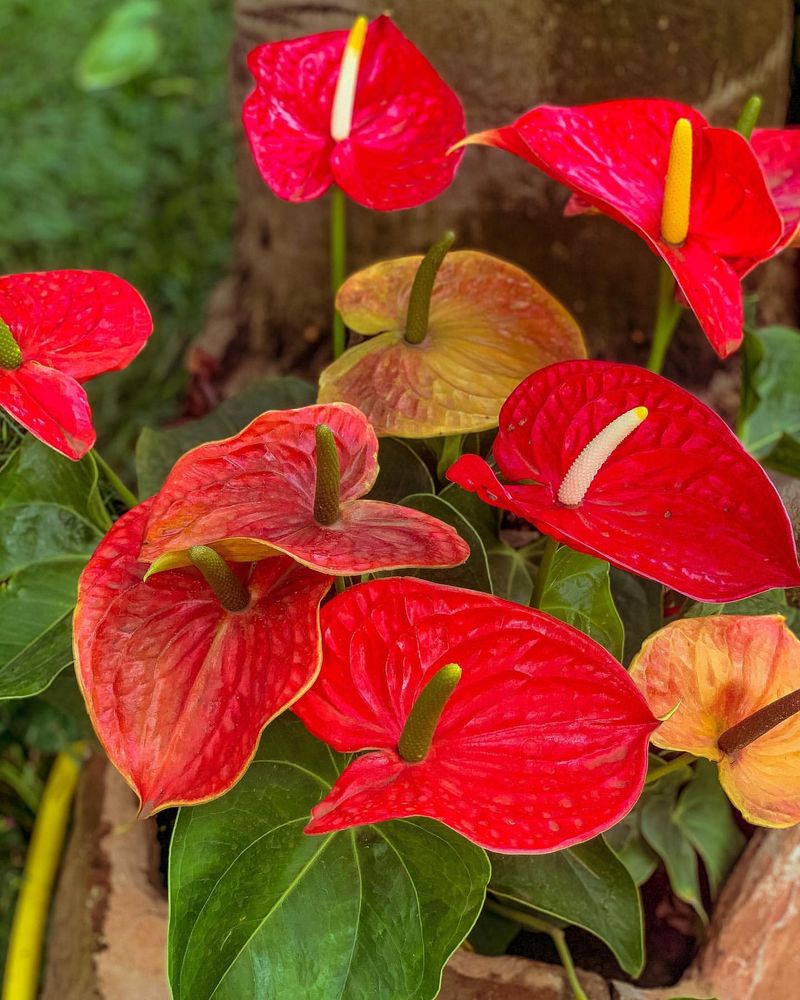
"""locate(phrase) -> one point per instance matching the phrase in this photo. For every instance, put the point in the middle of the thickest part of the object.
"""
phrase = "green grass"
(137, 179)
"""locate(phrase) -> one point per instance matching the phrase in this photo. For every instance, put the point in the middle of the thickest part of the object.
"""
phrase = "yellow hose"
(23, 962)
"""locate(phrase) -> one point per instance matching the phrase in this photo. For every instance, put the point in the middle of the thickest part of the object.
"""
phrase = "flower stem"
(667, 316)
(338, 253)
(556, 934)
(540, 584)
(21, 979)
(125, 495)
(671, 765)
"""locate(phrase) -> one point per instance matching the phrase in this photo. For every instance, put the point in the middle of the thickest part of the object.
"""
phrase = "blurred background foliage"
(115, 153)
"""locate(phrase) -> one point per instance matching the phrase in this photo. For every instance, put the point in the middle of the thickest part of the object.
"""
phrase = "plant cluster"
(452, 736)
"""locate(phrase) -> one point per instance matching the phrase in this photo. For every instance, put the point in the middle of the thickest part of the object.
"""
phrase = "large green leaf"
(784, 456)
(402, 472)
(474, 573)
(772, 389)
(50, 522)
(126, 45)
(259, 909)
(158, 451)
(704, 815)
(585, 885)
(578, 591)
(667, 839)
(627, 842)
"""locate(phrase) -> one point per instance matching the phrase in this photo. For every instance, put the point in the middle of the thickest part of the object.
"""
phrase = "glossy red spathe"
(614, 156)
(778, 152)
(178, 688)
(679, 501)
(252, 495)
(69, 326)
(405, 118)
(542, 744)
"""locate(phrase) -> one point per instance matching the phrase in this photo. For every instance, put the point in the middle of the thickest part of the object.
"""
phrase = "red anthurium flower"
(291, 483)
(179, 678)
(618, 462)
(58, 329)
(364, 110)
(514, 729)
(778, 152)
(696, 194)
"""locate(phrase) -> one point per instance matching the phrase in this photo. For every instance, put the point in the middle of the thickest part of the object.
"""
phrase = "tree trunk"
(502, 57)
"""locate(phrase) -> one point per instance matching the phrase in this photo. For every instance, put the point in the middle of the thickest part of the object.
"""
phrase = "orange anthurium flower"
(734, 680)
(448, 340)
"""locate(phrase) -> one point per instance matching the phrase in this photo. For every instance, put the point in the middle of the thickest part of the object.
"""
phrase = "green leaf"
(666, 838)
(492, 934)
(509, 570)
(584, 885)
(578, 591)
(126, 45)
(402, 472)
(158, 451)
(785, 456)
(771, 602)
(639, 603)
(772, 388)
(48, 530)
(704, 815)
(259, 909)
(474, 573)
(626, 841)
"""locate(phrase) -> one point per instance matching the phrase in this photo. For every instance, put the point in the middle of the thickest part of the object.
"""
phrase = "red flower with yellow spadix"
(729, 690)
(514, 729)
(696, 194)
(620, 463)
(182, 673)
(448, 338)
(59, 329)
(291, 483)
(362, 109)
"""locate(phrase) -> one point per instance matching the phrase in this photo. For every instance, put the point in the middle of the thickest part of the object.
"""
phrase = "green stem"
(540, 584)
(338, 250)
(340, 585)
(671, 765)
(127, 497)
(556, 934)
(749, 116)
(419, 300)
(28, 790)
(667, 316)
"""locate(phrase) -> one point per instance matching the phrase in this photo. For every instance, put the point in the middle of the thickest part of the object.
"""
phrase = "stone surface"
(477, 977)
(503, 58)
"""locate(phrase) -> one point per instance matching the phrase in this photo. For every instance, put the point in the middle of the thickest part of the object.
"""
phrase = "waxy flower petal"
(778, 152)
(679, 500)
(69, 326)
(614, 156)
(405, 118)
(178, 688)
(542, 743)
(718, 671)
(490, 325)
(252, 495)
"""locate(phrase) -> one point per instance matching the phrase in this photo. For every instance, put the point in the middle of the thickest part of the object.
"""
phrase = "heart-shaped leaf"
(772, 389)
(584, 885)
(50, 521)
(401, 472)
(490, 325)
(259, 909)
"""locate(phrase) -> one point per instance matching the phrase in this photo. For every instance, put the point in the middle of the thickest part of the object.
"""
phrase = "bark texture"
(502, 57)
